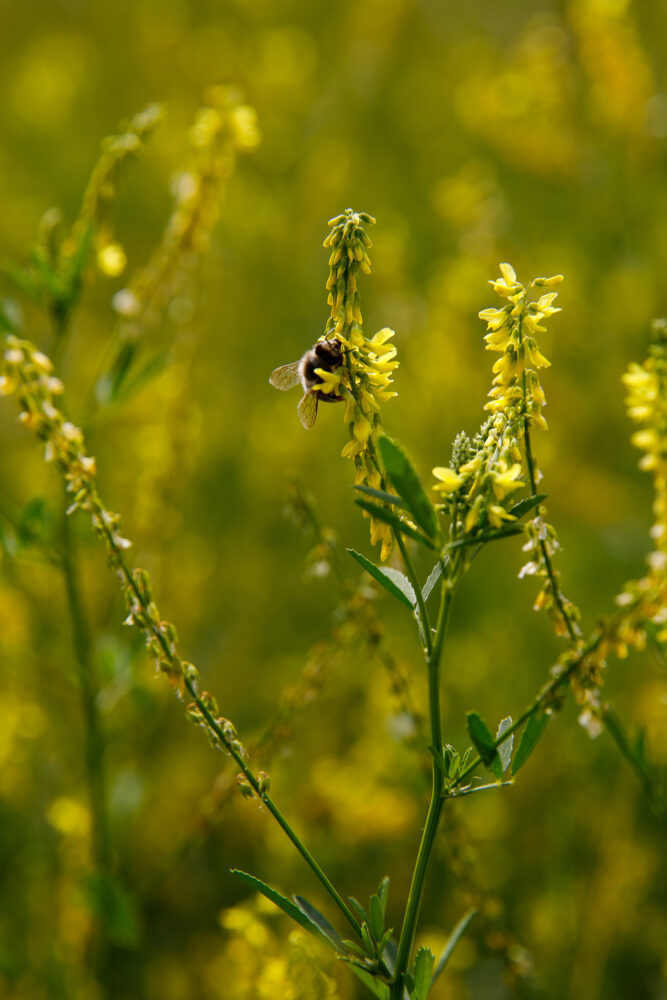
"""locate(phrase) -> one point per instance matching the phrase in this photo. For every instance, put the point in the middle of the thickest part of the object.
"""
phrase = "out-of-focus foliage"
(474, 133)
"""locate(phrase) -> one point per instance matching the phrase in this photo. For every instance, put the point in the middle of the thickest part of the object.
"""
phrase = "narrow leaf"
(529, 739)
(386, 578)
(454, 939)
(282, 902)
(407, 484)
(382, 495)
(321, 922)
(383, 892)
(528, 503)
(382, 514)
(433, 578)
(376, 912)
(423, 971)
(377, 988)
(390, 953)
(484, 743)
(490, 536)
(506, 747)
(634, 755)
(358, 909)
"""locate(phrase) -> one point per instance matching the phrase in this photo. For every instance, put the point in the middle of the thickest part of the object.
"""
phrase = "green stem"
(435, 805)
(237, 758)
(570, 625)
(94, 739)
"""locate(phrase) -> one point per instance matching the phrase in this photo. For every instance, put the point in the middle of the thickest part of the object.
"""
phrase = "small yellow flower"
(449, 481)
(506, 482)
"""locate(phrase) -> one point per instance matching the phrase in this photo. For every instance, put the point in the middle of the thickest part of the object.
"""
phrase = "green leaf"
(358, 909)
(382, 495)
(490, 536)
(382, 893)
(377, 988)
(422, 973)
(433, 578)
(454, 938)
(506, 747)
(382, 514)
(393, 581)
(528, 503)
(484, 743)
(530, 737)
(367, 939)
(407, 484)
(287, 906)
(151, 368)
(321, 922)
(376, 912)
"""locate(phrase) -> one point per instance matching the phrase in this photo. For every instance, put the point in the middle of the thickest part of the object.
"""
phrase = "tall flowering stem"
(28, 373)
(517, 398)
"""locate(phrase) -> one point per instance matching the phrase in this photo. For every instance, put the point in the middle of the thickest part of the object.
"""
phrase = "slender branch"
(215, 728)
(408, 929)
(94, 739)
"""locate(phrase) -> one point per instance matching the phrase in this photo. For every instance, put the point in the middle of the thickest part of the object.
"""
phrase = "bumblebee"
(325, 354)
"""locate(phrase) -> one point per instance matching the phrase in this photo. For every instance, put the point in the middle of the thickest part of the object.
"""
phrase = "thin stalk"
(435, 805)
(94, 739)
(237, 758)
(572, 630)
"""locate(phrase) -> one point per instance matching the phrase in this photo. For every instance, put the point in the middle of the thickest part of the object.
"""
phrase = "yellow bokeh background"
(476, 133)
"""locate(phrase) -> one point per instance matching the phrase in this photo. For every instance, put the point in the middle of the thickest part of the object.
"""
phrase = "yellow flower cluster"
(484, 472)
(511, 331)
(363, 380)
(222, 128)
(647, 406)
(480, 484)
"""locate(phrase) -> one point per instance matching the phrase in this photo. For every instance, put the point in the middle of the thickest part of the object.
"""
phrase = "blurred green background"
(475, 133)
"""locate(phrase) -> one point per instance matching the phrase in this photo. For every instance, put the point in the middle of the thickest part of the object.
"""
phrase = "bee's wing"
(287, 376)
(307, 409)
